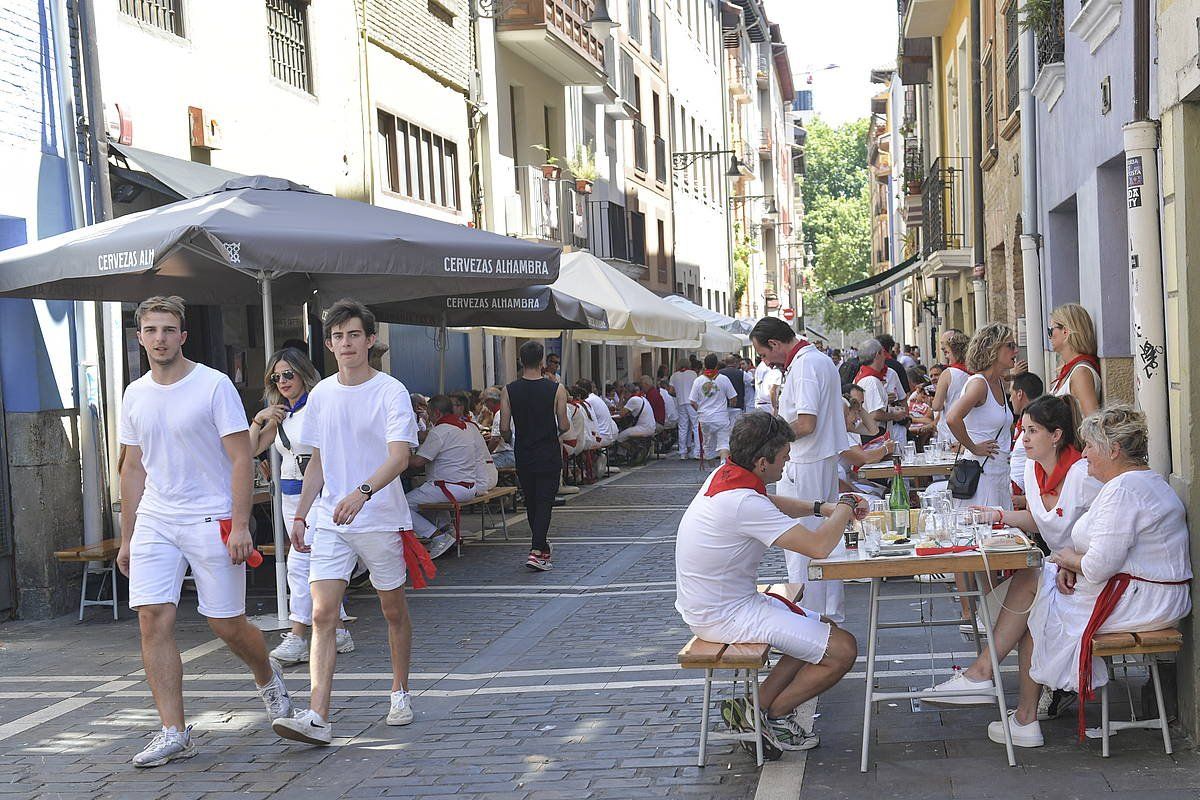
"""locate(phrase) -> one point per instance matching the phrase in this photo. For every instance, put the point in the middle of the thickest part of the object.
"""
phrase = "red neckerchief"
(450, 419)
(684, 369)
(1018, 428)
(731, 476)
(791, 356)
(867, 371)
(1050, 484)
(960, 365)
(711, 374)
(1065, 372)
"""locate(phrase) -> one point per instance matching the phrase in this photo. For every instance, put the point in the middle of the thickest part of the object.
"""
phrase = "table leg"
(868, 705)
(997, 682)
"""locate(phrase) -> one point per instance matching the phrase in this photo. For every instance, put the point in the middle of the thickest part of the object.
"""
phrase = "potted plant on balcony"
(583, 167)
(550, 166)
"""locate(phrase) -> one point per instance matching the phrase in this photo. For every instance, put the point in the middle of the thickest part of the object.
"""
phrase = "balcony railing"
(766, 143)
(914, 165)
(1051, 39)
(660, 159)
(637, 238)
(608, 230)
(762, 70)
(551, 209)
(566, 21)
(641, 161)
(656, 38)
(943, 205)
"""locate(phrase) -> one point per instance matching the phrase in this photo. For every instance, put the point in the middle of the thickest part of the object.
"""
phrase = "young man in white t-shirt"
(449, 457)
(810, 402)
(712, 396)
(767, 380)
(721, 540)
(689, 436)
(186, 480)
(361, 427)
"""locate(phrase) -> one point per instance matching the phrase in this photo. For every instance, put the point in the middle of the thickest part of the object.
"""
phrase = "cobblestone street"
(555, 685)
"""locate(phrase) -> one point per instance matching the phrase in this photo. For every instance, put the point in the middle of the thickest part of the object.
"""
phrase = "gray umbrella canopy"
(531, 308)
(213, 249)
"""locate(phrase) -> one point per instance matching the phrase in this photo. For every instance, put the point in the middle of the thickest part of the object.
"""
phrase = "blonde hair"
(957, 344)
(1122, 426)
(299, 363)
(160, 304)
(984, 349)
(1081, 332)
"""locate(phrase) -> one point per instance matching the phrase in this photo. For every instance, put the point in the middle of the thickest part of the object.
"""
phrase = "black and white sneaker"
(1053, 704)
(307, 726)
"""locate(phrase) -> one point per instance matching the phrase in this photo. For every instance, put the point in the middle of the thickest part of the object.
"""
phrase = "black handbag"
(964, 477)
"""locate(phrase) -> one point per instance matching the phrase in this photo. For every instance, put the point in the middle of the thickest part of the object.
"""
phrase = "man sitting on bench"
(448, 455)
(722, 538)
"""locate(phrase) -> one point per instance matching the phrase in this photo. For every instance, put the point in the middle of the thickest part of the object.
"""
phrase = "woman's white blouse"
(1075, 496)
(1136, 525)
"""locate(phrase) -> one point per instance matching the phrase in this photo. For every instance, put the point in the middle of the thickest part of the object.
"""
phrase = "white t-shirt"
(681, 381)
(352, 426)
(669, 405)
(719, 545)
(875, 397)
(289, 466)
(712, 396)
(451, 453)
(603, 417)
(906, 360)
(486, 476)
(639, 409)
(751, 390)
(1016, 462)
(766, 377)
(812, 386)
(179, 428)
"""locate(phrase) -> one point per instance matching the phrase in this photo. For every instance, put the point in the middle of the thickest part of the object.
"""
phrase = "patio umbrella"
(530, 308)
(260, 238)
(708, 315)
(714, 340)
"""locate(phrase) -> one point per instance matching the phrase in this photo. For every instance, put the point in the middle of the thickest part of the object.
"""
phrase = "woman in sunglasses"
(289, 378)
(1073, 336)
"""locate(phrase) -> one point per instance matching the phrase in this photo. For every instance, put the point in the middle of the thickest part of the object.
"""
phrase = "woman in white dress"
(1125, 569)
(1073, 336)
(950, 383)
(981, 420)
(1060, 492)
(289, 378)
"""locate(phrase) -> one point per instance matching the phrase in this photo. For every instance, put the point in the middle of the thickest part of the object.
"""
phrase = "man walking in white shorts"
(361, 427)
(711, 397)
(186, 480)
(810, 402)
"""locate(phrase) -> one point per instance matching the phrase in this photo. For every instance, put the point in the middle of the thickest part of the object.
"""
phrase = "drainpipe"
(979, 284)
(1145, 252)
(368, 110)
(1031, 269)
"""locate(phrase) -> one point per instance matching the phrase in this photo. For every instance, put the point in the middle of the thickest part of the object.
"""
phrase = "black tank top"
(536, 446)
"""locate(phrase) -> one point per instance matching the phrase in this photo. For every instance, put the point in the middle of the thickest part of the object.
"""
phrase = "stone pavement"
(555, 685)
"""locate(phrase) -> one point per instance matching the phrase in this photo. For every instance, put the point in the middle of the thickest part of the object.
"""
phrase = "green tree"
(837, 220)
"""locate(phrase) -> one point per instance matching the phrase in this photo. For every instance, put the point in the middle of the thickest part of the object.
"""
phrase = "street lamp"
(770, 213)
(601, 22)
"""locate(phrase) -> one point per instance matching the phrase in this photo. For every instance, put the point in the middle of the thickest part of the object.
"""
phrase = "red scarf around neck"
(960, 365)
(867, 371)
(731, 476)
(711, 374)
(450, 419)
(791, 356)
(1065, 372)
(1051, 483)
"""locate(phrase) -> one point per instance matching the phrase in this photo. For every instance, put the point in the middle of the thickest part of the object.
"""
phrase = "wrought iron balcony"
(550, 210)
(943, 205)
(608, 230)
(1051, 39)
(554, 34)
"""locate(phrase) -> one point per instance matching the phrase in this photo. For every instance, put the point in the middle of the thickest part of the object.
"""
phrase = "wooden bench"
(480, 501)
(1144, 646)
(749, 657)
(105, 553)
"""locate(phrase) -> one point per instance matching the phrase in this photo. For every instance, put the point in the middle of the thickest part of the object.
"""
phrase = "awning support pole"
(281, 586)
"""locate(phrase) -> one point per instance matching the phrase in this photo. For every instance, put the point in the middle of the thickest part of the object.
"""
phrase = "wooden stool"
(104, 552)
(1148, 643)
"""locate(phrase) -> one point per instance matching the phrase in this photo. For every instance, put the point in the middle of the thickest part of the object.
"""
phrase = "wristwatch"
(366, 490)
(817, 508)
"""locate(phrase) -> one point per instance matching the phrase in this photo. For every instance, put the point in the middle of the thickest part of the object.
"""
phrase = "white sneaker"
(307, 726)
(275, 695)
(345, 644)
(959, 682)
(401, 712)
(1022, 735)
(167, 745)
(440, 543)
(292, 649)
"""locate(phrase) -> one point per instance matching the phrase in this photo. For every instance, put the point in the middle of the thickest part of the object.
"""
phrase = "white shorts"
(769, 620)
(334, 553)
(160, 553)
(714, 437)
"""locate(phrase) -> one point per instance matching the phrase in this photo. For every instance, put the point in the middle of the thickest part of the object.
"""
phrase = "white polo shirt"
(639, 408)
(720, 542)
(451, 452)
(811, 385)
(681, 381)
(712, 396)
(604, 421)
(766, 377)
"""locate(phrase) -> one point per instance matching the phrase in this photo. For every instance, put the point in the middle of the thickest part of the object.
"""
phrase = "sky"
(857, 35)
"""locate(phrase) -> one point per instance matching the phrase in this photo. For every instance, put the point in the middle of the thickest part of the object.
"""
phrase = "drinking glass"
(872, 536)
(910, 453)
(899, 522)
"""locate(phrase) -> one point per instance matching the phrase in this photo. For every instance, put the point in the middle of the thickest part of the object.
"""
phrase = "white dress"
(1135, 525)
(1075, 496)
(992, 420)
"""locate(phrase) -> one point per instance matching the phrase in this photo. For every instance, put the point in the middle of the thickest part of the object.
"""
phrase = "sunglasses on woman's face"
(1050, 331)
(286, 375)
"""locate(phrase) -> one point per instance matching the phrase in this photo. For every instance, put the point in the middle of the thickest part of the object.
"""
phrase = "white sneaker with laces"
(440, 543)
(168, 744)
(959, 682)
(345, 643)
(401, 712)
(307, 726)
(275, 695)
(1022, 735)
(292, 649)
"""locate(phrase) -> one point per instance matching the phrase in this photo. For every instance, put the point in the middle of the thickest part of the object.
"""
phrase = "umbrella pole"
(442, 343)
(281, 621)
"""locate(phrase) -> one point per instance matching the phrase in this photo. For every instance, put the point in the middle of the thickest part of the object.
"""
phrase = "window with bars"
(287, 35)
(418, 163)
(1012, 71)
(989, 104)
(165, 15)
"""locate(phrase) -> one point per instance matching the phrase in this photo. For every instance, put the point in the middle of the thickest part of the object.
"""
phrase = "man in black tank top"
(537, 408)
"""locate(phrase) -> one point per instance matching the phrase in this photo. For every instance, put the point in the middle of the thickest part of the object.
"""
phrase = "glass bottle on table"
(898, 497)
